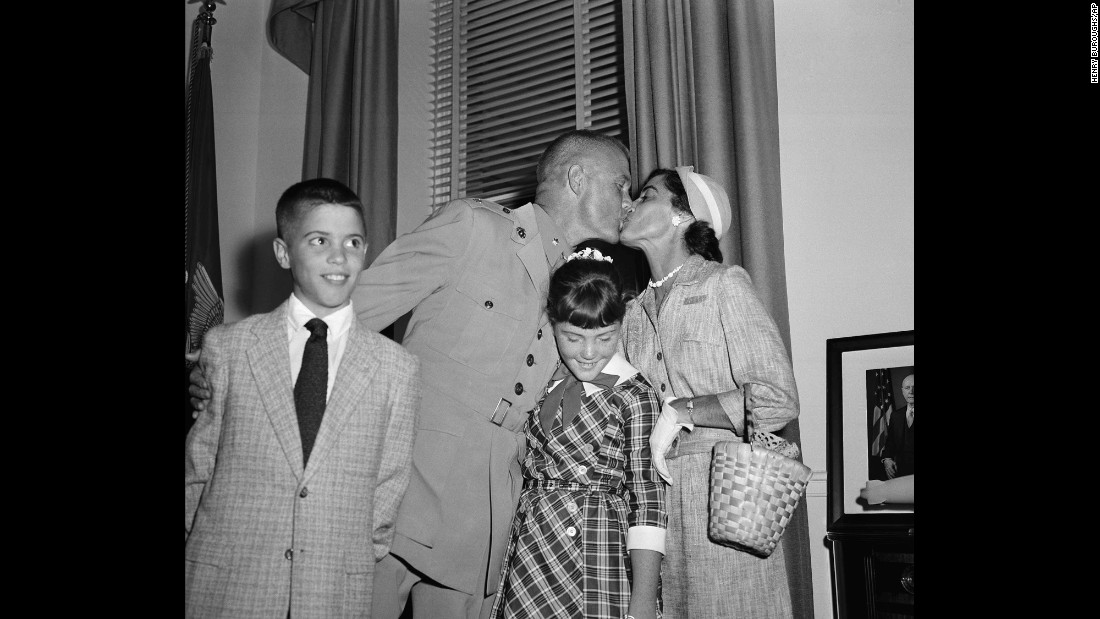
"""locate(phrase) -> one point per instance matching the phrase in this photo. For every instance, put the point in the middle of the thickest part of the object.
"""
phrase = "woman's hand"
(897, 490)
(661, 437)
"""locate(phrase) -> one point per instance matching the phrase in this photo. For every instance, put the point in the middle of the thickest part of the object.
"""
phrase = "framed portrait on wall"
(870, 411)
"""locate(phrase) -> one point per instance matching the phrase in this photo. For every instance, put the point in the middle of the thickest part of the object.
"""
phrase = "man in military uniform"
(475, 276)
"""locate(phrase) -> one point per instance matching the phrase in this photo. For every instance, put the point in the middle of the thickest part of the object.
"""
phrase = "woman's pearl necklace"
(653, 284)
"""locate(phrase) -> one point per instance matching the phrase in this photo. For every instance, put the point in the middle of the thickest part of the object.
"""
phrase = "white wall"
(259, 131)
(845, 78)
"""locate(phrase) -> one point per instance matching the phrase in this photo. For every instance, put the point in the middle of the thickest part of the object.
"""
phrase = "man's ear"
(281, 253)
(575, 176)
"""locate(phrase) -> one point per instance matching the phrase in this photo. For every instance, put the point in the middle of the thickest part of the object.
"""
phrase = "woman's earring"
(676, 220)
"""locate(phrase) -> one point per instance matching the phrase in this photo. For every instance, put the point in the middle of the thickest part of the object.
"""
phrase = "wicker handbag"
(754, 489)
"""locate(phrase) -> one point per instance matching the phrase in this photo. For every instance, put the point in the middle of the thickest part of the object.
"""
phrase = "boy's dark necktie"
(312, 385)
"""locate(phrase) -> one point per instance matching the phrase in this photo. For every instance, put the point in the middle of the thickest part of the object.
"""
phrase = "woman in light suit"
(700, 334)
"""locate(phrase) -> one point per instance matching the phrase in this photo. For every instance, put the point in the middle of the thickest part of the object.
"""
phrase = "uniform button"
(658, 356)
(571, 508)
(289, 554)
(304, 493)
(530, 360)
(571, 531)
(521, 232)
(488, 305)
(507, 210)
(582, 469)
(662, 386)
(519, 388)
(539, 334)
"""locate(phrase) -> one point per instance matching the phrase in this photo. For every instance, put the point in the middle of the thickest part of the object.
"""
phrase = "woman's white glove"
(663, 434)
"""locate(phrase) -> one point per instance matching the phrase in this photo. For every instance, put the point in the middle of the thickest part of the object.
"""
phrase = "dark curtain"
(701, 91)
(349, 50)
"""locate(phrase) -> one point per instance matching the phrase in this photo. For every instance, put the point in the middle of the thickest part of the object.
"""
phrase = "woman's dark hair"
(586, 294)
(699, 237)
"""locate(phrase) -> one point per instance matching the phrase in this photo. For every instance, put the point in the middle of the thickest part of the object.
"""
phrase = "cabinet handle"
(907, 579)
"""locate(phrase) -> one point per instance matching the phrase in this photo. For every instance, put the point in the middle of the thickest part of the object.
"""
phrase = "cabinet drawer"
(892, 577)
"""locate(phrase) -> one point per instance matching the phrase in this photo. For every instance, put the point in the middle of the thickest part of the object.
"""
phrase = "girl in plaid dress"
(588, 535)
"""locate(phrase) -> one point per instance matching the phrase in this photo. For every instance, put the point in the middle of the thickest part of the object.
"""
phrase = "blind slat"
(510, 63)
(553, 78)
(521, 58)
(510, 125)
(529, 19)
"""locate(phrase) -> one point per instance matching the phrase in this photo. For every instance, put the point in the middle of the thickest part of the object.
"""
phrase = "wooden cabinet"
(873, 573)
(871, 545)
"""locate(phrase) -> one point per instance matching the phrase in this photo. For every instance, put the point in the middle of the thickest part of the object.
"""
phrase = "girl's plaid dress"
(585, 486)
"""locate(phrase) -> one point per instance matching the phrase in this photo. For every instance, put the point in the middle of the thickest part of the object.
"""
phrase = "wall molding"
(818, 486)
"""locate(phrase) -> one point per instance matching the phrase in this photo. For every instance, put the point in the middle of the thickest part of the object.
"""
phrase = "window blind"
(508, 77)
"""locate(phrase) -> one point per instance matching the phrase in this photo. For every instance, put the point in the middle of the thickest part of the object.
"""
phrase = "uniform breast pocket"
(479, 325)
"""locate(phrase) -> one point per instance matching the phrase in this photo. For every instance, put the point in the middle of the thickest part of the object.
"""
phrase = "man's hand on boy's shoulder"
(199, 388)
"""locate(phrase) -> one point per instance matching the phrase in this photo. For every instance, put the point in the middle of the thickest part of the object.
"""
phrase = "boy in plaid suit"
(287, 514)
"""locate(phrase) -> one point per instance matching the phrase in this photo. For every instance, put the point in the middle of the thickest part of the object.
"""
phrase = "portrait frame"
(847, 363)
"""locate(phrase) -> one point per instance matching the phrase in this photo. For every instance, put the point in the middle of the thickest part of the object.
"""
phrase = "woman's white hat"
(707, 199)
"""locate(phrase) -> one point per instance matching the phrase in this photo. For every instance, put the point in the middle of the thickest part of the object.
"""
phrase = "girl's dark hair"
(586, 294)
(699, 238)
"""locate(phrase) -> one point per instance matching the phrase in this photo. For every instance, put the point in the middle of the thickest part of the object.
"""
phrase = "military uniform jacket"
(475, 276)
(266, 535)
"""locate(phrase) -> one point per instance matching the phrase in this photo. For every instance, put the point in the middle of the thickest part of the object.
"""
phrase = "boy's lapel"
(356, 368)
(270, 362)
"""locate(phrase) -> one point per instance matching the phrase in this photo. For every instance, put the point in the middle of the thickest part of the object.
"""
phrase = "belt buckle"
(501, 412)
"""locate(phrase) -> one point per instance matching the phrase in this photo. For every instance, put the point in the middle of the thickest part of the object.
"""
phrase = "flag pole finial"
(206, 17)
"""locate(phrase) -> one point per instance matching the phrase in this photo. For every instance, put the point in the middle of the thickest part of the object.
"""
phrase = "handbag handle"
(749, 425)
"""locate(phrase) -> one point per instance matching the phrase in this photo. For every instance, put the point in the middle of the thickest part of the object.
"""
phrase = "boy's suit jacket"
(265, 535)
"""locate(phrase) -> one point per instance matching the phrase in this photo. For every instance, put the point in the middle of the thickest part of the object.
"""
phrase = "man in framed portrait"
(897, 455)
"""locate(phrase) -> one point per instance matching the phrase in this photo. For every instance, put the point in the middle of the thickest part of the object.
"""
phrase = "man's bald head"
(908, 390)
(584, 185)
(573, 147)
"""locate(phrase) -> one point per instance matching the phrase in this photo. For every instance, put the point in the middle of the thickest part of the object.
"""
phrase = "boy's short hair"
(586, 294)
(301, 197)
